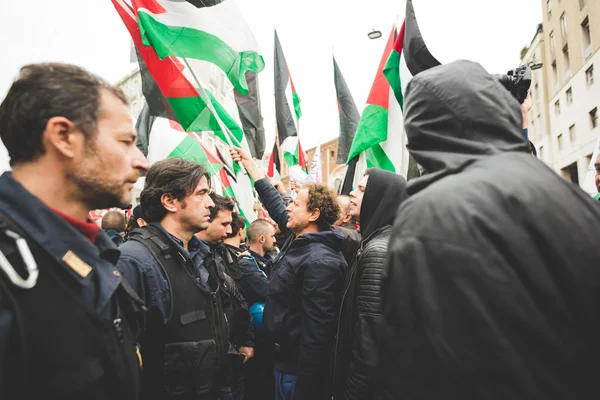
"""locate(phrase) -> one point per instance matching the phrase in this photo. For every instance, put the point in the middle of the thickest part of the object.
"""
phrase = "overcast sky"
(91, 34)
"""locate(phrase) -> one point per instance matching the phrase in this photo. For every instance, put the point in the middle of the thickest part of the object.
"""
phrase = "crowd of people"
(478, 279)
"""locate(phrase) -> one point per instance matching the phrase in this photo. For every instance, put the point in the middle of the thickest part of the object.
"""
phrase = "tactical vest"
(184, 358)
(58, 348)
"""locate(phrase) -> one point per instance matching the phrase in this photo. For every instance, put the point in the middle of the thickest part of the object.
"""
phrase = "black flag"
(416, 54)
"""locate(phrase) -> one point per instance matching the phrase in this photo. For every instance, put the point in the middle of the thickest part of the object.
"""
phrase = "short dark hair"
(257, 229)
(237, 222)
(114, 220)
(44, 91)
(173, 176)
(323, 198)
(222, 203)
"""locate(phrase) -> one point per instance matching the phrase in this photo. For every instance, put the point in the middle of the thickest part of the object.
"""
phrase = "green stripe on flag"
(180, 41)
(297, 110)
(189, 149)
(376, 157)
(371, 130)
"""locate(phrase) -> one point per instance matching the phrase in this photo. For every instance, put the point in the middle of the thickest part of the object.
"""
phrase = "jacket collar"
(58, 238)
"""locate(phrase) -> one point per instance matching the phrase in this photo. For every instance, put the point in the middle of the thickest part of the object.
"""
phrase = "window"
(589, 76)
(563, 26)
(552, 46)
(541, 152)
(560, 141)
(570, 173)
(557, 107)
(554, 74)
(569, 94)
(586, 38)
(549, 5)
(567, 61)
(582, 3)
(594, 117)
(572, 133)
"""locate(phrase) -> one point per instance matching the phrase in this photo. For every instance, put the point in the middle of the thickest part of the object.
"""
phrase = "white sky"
(91, 34)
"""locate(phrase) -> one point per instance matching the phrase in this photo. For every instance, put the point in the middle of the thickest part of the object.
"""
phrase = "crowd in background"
(478, 279)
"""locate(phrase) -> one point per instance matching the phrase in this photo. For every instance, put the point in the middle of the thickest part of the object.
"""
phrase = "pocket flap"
(192, 317)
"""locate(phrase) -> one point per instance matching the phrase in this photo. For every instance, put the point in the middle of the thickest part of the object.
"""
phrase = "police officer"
(185, 345)
(67, 319)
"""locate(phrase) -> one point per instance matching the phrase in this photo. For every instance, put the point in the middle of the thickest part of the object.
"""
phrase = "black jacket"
(361, 313)
(302, 306)
(71, 335)
(492, 285)
(252, 281)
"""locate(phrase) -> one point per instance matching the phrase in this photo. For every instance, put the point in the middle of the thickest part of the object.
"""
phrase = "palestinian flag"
(287, 111)
(417, 57)
(168, 139)
(349, 118)
(348, 114)
(213, 32)
(249, 112)
(379, 139)
(294, 158)
(181, 97)
(274, 168)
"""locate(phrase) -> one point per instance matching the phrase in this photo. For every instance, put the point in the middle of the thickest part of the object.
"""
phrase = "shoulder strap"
(160, 250)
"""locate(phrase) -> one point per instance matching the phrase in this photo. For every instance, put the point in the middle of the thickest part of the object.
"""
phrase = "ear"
(168, 202)
(314, 215)
(262, 239)
(347, 218)
(61, 136)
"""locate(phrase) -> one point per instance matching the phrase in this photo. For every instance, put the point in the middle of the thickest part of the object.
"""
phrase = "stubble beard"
(95, 190)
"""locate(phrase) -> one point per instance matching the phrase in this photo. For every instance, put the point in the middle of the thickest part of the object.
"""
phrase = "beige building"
(566, 93)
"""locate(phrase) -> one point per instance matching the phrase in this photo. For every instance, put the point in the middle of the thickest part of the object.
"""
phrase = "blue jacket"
(253, 283)
(58, 237)
(305, 291)
(145, 275)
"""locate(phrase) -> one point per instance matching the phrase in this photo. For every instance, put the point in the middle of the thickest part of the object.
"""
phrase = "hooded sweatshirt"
(361, 311)
(492, 285)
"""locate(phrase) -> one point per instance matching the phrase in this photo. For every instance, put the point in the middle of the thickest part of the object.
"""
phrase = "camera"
(517, 81)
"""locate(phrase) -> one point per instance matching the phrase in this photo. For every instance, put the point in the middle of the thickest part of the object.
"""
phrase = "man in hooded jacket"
(492, 285)
(373, 204)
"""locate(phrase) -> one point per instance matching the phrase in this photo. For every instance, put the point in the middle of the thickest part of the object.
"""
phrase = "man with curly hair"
(305, 287)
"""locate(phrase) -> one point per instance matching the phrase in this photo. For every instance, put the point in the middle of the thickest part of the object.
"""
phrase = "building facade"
(566, 132)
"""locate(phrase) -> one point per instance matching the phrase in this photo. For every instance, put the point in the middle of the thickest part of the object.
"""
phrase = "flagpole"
(222, 126)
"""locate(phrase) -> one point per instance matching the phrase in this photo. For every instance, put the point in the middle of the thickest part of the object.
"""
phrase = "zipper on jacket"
(217, 328)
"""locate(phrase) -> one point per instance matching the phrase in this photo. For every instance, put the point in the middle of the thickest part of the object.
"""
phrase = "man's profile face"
(108, 164)
(298, 212)
(356, 197)
(345, 217)
(220, 227)
(270, 239)
(194, 210)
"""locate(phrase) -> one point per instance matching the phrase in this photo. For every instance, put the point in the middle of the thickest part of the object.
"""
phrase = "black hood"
(383, 194)
(456, 114)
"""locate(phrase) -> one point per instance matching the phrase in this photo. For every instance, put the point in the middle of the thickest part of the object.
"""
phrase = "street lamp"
(535, 65)
(374, 34)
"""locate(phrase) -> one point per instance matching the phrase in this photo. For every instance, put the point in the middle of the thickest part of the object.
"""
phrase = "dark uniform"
(72, 334)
